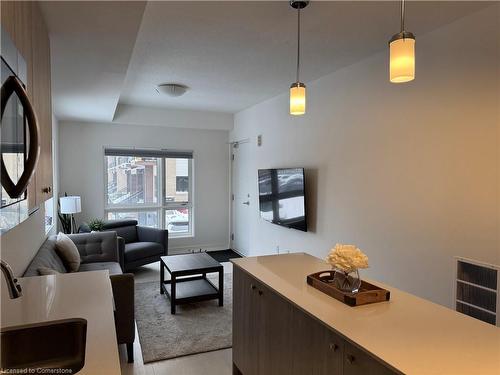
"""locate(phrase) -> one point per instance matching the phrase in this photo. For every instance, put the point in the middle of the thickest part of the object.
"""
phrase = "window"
(181, 184)
(151, 186)
(177, 196)
(132, 180)
(49, 214)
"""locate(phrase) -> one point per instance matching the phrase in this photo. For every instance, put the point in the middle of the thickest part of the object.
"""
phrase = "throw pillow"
(68, 252)
(44, 271)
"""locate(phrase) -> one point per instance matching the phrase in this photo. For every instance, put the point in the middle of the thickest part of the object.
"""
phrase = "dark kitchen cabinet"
(261, 328)
(316, 349)
(357, 362)
(245, 323)
(273, 336)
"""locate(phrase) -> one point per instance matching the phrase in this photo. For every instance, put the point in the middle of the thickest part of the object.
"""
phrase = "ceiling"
(91, 45)
(232, 54)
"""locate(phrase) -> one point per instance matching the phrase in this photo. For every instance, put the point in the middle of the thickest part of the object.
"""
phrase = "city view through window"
(155, 191)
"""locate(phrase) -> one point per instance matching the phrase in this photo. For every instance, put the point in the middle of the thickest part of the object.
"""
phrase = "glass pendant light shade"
(402, 57)
(298, 89)
(297, 99)
(402, 53)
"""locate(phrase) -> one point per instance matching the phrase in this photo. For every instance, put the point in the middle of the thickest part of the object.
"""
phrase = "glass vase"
(347, 281)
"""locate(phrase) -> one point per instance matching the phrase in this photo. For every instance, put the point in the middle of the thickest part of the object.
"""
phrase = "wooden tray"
(368, 293)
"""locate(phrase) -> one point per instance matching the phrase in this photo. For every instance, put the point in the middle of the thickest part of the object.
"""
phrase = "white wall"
(82, 172)
(409, 172)
(20, 244)
(173, 118)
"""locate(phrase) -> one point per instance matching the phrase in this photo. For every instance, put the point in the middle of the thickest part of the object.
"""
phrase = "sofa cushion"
(110, 224)
(113, 267)
(96, 247)
(46, 257)
(140, 250)
(68, 252)
(127, 229)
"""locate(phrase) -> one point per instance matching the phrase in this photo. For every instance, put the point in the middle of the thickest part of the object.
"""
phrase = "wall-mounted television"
(282, 197)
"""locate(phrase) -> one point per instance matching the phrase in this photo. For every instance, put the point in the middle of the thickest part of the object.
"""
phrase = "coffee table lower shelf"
(189, 290)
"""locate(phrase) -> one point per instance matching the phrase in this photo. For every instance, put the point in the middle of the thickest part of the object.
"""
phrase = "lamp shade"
(297, 99)
(70, 205)
(402, 58)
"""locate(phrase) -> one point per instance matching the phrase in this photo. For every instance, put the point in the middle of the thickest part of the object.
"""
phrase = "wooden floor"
(218, 362)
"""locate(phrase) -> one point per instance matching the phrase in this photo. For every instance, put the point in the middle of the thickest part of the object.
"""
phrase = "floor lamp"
(69, 206)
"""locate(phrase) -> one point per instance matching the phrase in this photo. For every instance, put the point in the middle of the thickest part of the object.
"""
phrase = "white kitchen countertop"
(86, 295)
(409, 333)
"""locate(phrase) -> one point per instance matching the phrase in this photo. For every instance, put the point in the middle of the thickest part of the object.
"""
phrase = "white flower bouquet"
(346, 260)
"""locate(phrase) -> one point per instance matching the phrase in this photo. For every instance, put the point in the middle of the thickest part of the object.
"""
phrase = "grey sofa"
(141, 245)
(98, 251)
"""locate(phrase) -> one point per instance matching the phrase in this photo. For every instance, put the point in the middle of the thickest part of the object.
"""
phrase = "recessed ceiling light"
(172, 89)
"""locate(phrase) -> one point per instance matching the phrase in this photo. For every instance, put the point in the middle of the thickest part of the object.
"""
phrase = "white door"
(241, 201)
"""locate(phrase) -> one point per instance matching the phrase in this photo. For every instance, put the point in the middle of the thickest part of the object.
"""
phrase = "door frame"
(233, 145)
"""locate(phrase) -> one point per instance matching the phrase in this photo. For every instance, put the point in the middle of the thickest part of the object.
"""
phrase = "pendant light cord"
(298, 43)
(402, 15)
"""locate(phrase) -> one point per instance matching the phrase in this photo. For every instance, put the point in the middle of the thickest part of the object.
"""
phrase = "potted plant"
(96, 225)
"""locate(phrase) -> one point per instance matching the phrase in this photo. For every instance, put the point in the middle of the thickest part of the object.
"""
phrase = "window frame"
(166, 206)
(162, 206)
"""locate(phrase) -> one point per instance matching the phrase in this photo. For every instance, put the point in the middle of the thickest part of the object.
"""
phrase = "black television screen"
(282, 197)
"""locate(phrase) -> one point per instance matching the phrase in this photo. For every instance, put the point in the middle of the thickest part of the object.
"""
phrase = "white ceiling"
(231, 54)
(91, 45)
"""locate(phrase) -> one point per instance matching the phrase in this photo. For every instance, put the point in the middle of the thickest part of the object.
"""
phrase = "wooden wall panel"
(22, 38)
(23, 41)
(8, 17)
(42, 104)
(24, 22)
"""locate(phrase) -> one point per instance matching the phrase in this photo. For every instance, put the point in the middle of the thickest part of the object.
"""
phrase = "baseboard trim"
(196, 248)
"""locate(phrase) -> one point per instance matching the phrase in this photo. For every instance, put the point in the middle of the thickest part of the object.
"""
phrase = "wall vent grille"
(477, 290)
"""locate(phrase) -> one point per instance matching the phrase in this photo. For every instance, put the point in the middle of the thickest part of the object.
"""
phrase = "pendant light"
(402, 53)
(298, 89)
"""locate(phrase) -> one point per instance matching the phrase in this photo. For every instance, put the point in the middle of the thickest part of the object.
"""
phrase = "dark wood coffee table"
(194, 288)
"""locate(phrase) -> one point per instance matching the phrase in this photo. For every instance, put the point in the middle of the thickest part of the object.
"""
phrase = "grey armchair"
(139, 245)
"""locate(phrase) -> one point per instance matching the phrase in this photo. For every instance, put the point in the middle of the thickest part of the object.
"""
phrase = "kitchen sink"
(57, 344)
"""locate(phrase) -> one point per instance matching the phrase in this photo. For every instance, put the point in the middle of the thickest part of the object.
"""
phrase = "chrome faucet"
(15, 290)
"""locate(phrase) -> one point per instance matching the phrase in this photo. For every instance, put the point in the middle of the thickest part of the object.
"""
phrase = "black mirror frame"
(10, 86)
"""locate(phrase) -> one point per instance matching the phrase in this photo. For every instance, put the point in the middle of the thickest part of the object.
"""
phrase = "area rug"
(195, 328)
